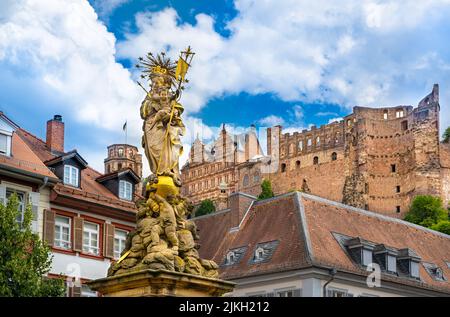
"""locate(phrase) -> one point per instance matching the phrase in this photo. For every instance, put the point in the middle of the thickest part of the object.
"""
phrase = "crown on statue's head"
(156, 66)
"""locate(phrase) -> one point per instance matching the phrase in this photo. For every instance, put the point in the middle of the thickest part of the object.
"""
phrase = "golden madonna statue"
(164, 238)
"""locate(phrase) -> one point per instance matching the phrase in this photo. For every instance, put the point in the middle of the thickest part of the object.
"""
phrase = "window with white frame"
(336, 292)
(259, 254)
(391, 263)
(415, 269)
(21, 200)
(120, 236)
(230, 257)
(62, 232)
(91, 238)
(125, 190)
(5, 144)
(366, 257)
(71, 175)
(285, 293)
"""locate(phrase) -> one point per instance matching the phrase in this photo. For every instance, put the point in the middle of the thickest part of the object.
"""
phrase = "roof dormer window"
(408, 262)
(264, 252)
(435, 271)
(125, 190)
(360, 250)
(71, 175)
(231, 258)
(259, 254)
(386, 257)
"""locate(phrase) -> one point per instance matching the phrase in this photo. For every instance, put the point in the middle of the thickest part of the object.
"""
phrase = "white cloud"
(335, 120)
(271, 121)
(105, 7)
(368, 53)
(374, 53)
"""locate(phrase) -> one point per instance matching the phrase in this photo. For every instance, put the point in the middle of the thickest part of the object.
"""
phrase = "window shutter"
(34, 201)
(78, 234)
(297, 292)
(49, 226)
(109, 240)
(2, 195)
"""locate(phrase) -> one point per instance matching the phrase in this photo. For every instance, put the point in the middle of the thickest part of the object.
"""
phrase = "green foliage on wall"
(427, 211)
(266, 190)
(206, 207)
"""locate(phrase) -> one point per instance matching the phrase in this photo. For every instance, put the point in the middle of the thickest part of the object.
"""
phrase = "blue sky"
(289, 62)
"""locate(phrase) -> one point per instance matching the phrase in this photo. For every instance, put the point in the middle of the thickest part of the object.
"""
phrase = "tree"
(206, 207)
(24, 258)
(266, 190)
(426, 211)
(442, 226)
(446, 135)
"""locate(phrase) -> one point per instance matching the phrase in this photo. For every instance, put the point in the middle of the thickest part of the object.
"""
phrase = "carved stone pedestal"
(155, 283)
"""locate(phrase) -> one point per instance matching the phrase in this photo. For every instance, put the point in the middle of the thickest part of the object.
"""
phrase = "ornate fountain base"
(159, 283)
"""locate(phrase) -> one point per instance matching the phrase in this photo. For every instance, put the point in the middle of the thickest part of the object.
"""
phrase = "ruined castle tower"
(377, 159)
(122, 156)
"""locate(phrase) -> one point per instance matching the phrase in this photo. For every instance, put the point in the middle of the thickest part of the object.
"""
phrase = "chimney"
(239, 204)
(55, 134)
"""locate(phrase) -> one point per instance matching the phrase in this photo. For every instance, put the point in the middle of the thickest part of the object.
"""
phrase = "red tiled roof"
(265, 222)
(90, 190)
(324, 217)
(304, 226)
(23, 158)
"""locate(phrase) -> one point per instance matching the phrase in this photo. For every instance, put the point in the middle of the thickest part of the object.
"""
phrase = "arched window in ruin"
(300, 145)
(297, 164)
(385, 114)
(291, 148)
(334, 156)
(316, 160)
(120, 151)
(245, 181)
(318, 141)
(283, 168)
(309, 142)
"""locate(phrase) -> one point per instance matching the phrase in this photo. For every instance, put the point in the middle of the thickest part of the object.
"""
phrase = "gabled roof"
(8, 121)
(117, 174)
(22, 159)
(66, 156)
(305, 226)
(90, 193)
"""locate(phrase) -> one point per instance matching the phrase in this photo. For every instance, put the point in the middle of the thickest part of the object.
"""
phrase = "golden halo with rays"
(151, 65)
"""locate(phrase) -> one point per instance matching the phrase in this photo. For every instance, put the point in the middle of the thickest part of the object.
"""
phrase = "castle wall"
(445, 173)
(375, 158)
